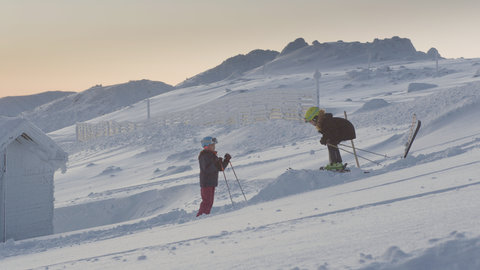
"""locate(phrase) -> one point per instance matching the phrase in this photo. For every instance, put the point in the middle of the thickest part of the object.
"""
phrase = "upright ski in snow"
(413, 133)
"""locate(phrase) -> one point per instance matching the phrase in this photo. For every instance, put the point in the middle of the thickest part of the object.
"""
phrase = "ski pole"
(226, 182)
(353, 145)
(378, 163)
(238, 181)
(382, 155)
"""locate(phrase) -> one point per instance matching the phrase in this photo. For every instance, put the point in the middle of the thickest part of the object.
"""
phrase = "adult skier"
(334, 130)
(210, 165)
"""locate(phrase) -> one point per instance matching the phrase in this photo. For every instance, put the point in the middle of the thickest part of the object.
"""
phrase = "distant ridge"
(231, 68)
(15, 105)
(299, 56)
(93, 102)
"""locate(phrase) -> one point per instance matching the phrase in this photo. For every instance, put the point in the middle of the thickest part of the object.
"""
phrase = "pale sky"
(71, 45)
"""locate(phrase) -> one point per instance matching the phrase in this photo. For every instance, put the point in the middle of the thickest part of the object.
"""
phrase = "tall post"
(317, 75)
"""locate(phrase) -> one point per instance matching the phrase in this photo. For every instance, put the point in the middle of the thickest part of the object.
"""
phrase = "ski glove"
(323, 140)
(227, 157)
(220, 164)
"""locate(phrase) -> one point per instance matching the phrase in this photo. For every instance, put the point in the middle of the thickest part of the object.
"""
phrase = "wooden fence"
(244, 111)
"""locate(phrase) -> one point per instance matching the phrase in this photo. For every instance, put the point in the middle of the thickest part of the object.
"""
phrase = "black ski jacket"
(210, 165)
(335, 129)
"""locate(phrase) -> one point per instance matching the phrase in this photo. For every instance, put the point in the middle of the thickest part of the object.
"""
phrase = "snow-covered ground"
(129, 201)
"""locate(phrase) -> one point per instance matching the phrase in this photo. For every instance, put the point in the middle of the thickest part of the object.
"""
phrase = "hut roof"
(12, 128)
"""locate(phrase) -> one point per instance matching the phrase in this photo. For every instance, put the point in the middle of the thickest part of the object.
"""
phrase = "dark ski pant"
(207, 200)
(334, 154)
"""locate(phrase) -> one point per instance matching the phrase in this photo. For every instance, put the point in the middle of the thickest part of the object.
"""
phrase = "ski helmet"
(208, 140)
(311, 113)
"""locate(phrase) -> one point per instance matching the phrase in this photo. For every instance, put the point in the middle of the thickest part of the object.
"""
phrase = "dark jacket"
(335, 129)
(210, 165)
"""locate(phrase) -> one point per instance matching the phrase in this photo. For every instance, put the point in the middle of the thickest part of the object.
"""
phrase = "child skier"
(334, 130)
(210, 165)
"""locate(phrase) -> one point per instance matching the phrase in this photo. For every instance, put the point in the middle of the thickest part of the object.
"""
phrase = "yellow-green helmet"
(311, 113)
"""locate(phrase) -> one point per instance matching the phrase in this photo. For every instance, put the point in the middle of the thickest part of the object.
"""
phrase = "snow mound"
(373, 104)
(298, 181)
(459, 253)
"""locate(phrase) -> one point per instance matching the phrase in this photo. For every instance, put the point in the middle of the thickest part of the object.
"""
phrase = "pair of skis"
(340, 169)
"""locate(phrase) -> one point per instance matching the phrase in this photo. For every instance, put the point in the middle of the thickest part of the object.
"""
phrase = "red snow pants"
(207, 200)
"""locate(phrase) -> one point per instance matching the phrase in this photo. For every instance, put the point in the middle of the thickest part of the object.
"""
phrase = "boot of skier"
(334, 131)
(210, 165)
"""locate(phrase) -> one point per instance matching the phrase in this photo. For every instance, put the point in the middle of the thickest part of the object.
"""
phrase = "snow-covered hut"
(28, 161)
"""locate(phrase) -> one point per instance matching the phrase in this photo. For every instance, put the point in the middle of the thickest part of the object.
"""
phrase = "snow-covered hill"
(13, 106)
(129, 201)
(231, 68)
(93, 102)
(299, 56)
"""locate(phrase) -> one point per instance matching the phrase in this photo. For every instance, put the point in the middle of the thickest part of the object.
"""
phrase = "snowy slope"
(129, 201)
